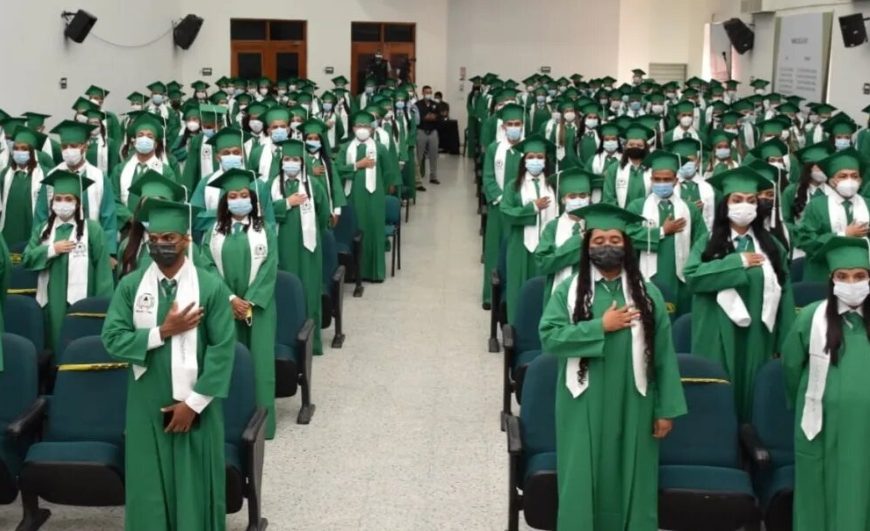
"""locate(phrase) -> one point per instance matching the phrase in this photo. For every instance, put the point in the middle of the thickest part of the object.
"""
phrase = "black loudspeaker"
(741, 37)
(79, 26)
(186, 31)
(854, 30)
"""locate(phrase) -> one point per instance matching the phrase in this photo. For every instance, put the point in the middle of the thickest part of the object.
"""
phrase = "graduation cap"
(742, 180)
(766, 170)
(759, 83)
(638, 72)
(794, 99)
(512, 111)
(866, 109)
(840, 124)
(362, 118)
(814, 152)
(174, 86)
(671, 86)
(730, 118)
(576, 77)
(257, 109)
(720, 135)
(72, 132)
(153, 184)
(770, 127)
(684, 106)
(339, 81)
(167, 216)
(218, 97)
(622, 122)
(731, 84)
(83, 105)
(235, 179)
(847, 159)
(199, 85)
(136, 97)
(609, 129)
(822, 108)
(536, 143)
(575, 181)
(662, 160)
(313, 126)
(228, 137)
(223, 81)
(67, 182)
(96, 91)
(11, 124)
(157, 87)
(26, 135)
(3, 114)
(264, 82)
(277, 114)
(650, 121)
(603, 216)
(685, 147)
(844, 252)
(293, 148)
(638, 131)
(607, 80)
(210, 114)
(771, 148)
(591, 108)
(35, 119)
(787, 107)
(147, 122)
(694, 81)
(741, 105)
(506, 95)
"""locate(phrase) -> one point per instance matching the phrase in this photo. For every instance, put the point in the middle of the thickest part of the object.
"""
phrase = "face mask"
(238, 91)
(281, 92)
(362, 134)
(136, 106)
(400, 105)
(657, 108)
(72, 156)
(231, 162)
(256, 126)
(370, 90)
(607, 257)
(200, 95)
(842, 143)
(603, 101)
(847, 187)
(327, 106)
(193, 126)
(730, 130)
(144, 144)
(591, 123)
(264, 91)
(663, 190)
(163, 254)
(513, 133)
(63, 209)
(427, 97)
(157, 99)
(240, 207)
(759, 91)
(541, 98)
(21, 157)
(723, 153)
(313, 145)
(765, 208)
(279, 134)
(556, 116)
(551, 92)
(818, 176)
(291, 167)
(610, 145)
(686, 121)
(635, 153)
(624, 99)
(634, 105)
(742, 214)
(784, 135)
(535, 166)
(570, 116)
(852, 294)
(689, 169)
(814, 118)
(573, 204)
(208, 132)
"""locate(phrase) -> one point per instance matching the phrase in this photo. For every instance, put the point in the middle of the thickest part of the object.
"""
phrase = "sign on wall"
(803, 48)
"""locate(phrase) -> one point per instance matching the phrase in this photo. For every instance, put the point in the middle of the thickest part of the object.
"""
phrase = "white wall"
(36, 55)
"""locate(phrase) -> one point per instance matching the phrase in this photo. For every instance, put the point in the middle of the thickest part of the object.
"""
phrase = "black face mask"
(164, 254)
(635, 153)
(607, 257)
(765, 208)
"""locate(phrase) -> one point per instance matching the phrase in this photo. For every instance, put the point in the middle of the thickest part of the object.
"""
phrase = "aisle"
(405, 435)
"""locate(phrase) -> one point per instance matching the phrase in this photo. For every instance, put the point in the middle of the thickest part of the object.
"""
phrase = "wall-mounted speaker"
(742, 38)
(853, 29)
(78, 27)
(186, 31)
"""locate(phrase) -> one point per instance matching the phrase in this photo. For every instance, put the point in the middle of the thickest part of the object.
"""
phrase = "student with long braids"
(618, 385)
(742, 305)
(826, 365)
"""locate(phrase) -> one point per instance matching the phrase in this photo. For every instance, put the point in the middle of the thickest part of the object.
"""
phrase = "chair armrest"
(338, 275)
(256, 428)
(495, 279)
(357, 238)
(512, 429)
(753, 446)
(29, 421)
(306, 333)
(507, 337)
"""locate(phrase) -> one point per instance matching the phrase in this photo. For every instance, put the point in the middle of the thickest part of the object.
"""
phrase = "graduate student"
(320, 165)
(202, 124)
(724, 156)
(68, 251)
(362, 164)
(691, 186)
(618, 387)
(629, 180)
(21, 182)
(528, 204)
(825, 361)
(812, 183)
(172, 323)
(608, 153)
(742, 305)
(103, 151)
(244, 251)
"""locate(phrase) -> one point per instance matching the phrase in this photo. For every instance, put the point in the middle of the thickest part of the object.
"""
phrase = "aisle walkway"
(405, 436)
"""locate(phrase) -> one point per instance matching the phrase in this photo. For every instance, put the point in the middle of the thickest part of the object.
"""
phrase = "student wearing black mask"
(629, 180)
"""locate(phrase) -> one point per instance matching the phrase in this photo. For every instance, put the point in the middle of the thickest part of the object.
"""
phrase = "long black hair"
(634, 278)
(125, 149)
(323, 155)
(625, 159)
(834, 339)
(521, 172)
(225, 217)
(78, 216)
(801, 196)
(720, 244)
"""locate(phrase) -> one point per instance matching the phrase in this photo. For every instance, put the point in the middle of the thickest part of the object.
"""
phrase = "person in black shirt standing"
(443, 106)
(427, 134)
(379, 70)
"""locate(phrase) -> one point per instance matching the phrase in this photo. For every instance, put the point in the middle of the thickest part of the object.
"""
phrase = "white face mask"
(742, 214)
(591, 123)
(818, 176)
(63, 209)
(848, 187)
(362, 134)
(575, 203)
(852, 294)
(72, 156)
(193, 126)
(256, 126)
(570, 116)
(686, 121)
(657, 108)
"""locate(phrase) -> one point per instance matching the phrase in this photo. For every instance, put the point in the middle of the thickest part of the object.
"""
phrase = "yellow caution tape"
(87, 315)
(21, 291)
(704, 381)
(92, 366)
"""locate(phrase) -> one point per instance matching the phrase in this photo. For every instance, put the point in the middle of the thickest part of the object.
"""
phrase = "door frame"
(362, 47)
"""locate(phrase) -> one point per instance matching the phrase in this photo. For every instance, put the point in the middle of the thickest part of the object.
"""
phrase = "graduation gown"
(812, 233)
(332, 184)
(495, 227)
(293, 257)
(113, 153)
(193, 170)
(370, 207)
(259, 337)
(100, 282)
(5, 273)
(173, 481)
(740, 351)
(206, 217)
(124, 210)
(831, 488)
(606, 457)
(637, 186)
(550, 258)
(19, 204)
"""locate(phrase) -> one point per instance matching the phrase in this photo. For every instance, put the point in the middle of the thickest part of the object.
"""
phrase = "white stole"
(528, 194)
(94, 191)
(708, 197)
(820, 362)
(206, 158)
(129, 170)
(185, 367)
(500, 160)
(77, 266)
(35, 184)
(837, 212)
(257, 243)
(564, 230)
(307, 214)
(623, 177)
(371, 173)
(734, 307)
(649, 263)
(212, 194)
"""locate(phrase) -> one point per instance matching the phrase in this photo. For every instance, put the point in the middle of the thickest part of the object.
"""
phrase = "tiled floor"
(405, 436)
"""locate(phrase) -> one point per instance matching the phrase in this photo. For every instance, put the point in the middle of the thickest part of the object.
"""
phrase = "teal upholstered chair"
(522, 343)
(332, 298)
(294, 346)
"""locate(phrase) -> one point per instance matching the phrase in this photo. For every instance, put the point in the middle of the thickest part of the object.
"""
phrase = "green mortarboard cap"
(718, 107)
(684, 107)
(787, 107)
(656, 97)
(840, 124)
(297, 111)
(535, 144)
(153, 184)
(769, 127)
(576, 77)
(167, 216)
(281, 114)
(768, 171)
(603, 216)
(148, 122)
(235, 179)
(638, 131)
(94, 90)
(83, 105)
(199, 85)
(625, 88)
(773, 97)
(190, 110)
(607, 80)
(794, 99)
(742, 180)
(622, 122)
(26, 135)
(265, 81)
(565, 105)
(223, 81)
(848, 159)
(823, 108)
(35, 119)
(244, 99)
(3, 114)
(685, 147)
(157, 87)
(292, 148)
(339, 80)
(374, 109)
(210, 114)
(330, 96)
(575, 181)
(591, 108)
(638, 72)
(11, 124)
(771, 148)
(661, 159)
(759, 83)
(730, 118)
(814, 152)
(218, 97)
(362, 118)
(866, 109)
(227, 137)
(67, 182)
(174, 85)
(694, 80)
(257, 109)
(475, 79)
(609, 129)
(314, 126)
(744, 104)
(95, 114)
(512, 111)
(650, 121)
(72, 132)
(175, 94)
(842, 252)
(718, 135)
(732, 84)
(717, 89)
(136, 97)
(506, 95)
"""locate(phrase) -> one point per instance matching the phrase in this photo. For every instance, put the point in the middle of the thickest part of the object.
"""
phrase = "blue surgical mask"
(400, 104)
(231, 162)
(157, 98)
(663, 190)
(21, 157)
(634, 105)
(541, 98)
(208, 132)
(723, 153)
(327, 106)
(291, 167)
(610, 145)
(240, 207)
(574, 204)
(280, 134)
(513, 133)
(313, 145)
(535, 166)
(144, 145)
(551, 92)
(842, 143)
(370, 90)
(688, 169)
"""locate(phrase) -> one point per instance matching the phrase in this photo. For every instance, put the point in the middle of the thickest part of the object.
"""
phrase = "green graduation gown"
(495, 228)
(100, 282)
(5, 272)
(113, 156)
(124, 211)
(812, 233)
(740, 351)
(588, 145)
(259, 337)
(173, 481)
(292, 254)
(606, 455)
(831, 488)
(19, 206)
(551, 258)
(636, 184)
(332, 183)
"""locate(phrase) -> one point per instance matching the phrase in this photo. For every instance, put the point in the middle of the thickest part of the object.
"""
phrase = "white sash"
(649, 263)
(638, 343)
(257, 243)
(264, 165)
(94, 191)
(185, 367)
(77, 267)
(734, 307)
(102, 155)
(35, 184)
(500, 160)
(129, 170)
(820, 361)
(371, 173)
(837, 212)
(500, 134)
(206, 159)
(212, 194)
(564, 230)
(623, 176)
(307, 214)
(679, 133)
(528, 194)
(708, 197)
